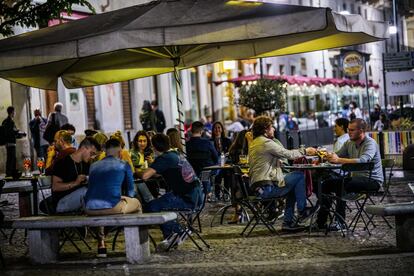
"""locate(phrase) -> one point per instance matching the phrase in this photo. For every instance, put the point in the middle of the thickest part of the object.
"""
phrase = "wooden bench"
(404, 221)
(42, 232)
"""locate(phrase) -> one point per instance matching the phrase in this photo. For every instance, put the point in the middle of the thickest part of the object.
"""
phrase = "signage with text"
(400, 83)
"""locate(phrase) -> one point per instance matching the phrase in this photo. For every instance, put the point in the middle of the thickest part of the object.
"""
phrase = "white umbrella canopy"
(167, 35)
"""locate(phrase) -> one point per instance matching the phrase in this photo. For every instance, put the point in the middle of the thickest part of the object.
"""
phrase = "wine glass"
(41, 164)
(27, 165)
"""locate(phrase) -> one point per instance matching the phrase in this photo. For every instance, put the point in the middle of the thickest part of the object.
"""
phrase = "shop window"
(269, 69)
(195, 99)
(292, 70)
(370, 71)
(366, 13)
(334, 75)
(126, 104)
(303, 68)
(316, 72)
(359, 10)
(281, 69)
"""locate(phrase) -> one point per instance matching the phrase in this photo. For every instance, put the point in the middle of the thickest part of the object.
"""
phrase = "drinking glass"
(243, 159)
(322, 153)
(27, 165)
(41, 165)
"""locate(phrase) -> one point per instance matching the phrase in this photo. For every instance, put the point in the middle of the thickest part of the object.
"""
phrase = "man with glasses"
(69, 177)
(360, 148)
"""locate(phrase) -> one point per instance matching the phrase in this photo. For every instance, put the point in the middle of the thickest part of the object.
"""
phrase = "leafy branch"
(28, 13)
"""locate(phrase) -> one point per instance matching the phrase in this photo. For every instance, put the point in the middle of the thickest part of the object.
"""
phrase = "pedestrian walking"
(37, 128)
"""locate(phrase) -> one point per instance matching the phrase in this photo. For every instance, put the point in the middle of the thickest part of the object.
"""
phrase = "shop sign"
(400, 83)
(352, 63)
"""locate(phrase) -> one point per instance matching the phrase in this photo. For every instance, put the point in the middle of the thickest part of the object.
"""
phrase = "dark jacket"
(224, 146)
(159, 120)
(11, 131)
(34, 125)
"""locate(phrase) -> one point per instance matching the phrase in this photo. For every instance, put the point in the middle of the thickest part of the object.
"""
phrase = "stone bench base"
(43, 233)
(404, 221)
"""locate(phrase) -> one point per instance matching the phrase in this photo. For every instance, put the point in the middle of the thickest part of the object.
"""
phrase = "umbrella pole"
(179, 102)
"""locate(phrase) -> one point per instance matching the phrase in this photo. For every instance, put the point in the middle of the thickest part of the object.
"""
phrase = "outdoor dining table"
(316, 167)
(27, 188)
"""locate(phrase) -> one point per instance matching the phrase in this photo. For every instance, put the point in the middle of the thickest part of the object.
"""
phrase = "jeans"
(334, 185)
(167, 202)
(72, 202)
(294, 190)
(143, 192)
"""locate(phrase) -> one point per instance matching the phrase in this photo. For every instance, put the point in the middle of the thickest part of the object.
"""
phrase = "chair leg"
(115, 238)
(3, 263)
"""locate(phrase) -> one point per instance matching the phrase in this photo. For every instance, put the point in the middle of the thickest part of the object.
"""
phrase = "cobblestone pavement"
(232, 254)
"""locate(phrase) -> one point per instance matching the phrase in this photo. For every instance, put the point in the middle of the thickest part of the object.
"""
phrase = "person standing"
(147, 117)
(60, 118)
(159, 117)
(12, 133)
(37, 128)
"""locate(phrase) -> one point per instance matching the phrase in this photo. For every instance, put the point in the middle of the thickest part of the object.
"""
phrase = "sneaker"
(101, 252)
(292, 226)
(337, 226)
(183, 236)
(308, 213)
(165, 244)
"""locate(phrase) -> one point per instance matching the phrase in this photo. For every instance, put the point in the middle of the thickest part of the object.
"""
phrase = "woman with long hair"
(219, 139)
(141, 150)
(221, 144)
(175, 139)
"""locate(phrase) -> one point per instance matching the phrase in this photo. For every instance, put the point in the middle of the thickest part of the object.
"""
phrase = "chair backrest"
(199, 160)
(387, 164)
(349, 168)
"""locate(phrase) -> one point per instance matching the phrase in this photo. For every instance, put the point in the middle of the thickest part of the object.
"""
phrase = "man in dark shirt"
(182, 195)
(69, 177)
(37, 128)
(200, 151)
(11, 134)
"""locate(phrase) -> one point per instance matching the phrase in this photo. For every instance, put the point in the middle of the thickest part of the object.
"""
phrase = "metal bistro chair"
(67, 234)
(360, 199)
(258, 206)
(387, 164)
(189, 216)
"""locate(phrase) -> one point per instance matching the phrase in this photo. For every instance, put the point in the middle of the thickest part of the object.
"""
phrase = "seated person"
(101, 138)
(266, 177)
(107, 178)
(141, 151)
(61, 147)
(200, 151)
(124, 152)
(182, 195)
(69, 177)
(341, 133)
(360, 148)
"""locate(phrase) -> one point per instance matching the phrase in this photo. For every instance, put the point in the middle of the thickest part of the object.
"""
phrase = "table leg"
(35, 197)
(25, 204)
(136, 244)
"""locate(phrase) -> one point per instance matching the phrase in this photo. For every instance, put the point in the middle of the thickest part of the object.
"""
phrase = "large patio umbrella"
(166, 36)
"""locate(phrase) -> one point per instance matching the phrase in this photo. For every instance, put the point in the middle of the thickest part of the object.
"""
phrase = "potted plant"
(264, 95)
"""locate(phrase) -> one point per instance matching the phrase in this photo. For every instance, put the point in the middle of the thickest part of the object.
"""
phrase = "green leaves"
(28, 13)
(263, 96)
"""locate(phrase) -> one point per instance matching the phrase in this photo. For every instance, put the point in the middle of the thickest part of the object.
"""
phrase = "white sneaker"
(165, 244)
(183, 237)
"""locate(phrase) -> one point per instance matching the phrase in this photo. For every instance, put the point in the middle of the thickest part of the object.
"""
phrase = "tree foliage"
(28, 13)
(263, 96)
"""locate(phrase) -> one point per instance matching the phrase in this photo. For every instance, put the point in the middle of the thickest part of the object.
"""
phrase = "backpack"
(187, 171)
(51, 129)
(3, 139)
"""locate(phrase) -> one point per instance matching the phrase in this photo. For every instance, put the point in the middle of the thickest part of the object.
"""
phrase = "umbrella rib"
(149, 52)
